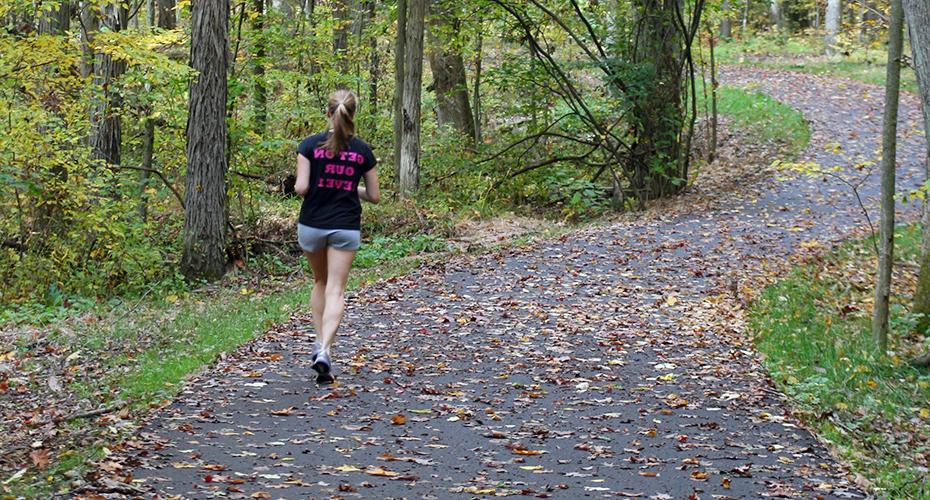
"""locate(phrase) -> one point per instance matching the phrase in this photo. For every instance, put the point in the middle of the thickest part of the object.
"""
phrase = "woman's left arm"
(371, 192)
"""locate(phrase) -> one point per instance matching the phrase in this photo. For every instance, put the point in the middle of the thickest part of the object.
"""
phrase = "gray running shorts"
(312, 239)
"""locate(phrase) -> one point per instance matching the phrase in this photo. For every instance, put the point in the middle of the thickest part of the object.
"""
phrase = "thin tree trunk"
(889, 146)
(205, 214)
(150, 13)
(107, 135)
(374, 63)
(58, 21)
(260, 113)
(448, 68)
(148, 147)
(167, 18)
(413, 82)
(745, 24)
(918, 19)
(341, 35)
(726, 22)
(832, 24)
(477, 85)
(400, 51)
(777, 14)
(713, 102)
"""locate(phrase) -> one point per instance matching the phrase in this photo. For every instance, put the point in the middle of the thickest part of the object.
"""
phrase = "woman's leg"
(338, 264)
(320, 270)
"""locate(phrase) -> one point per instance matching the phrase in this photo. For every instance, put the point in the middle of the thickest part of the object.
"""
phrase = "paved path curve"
(608, 362)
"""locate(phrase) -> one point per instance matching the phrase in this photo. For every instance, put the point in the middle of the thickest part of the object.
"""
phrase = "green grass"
(764, 118)
(813, 330)
(806, 54)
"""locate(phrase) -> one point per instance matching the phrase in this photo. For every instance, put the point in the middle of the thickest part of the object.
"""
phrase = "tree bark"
(889, 146)
(58, 21)
(832, 24)
(205, 214)
(400, 51)
(918, 20)
(413, 82)
(726, 22)
(777, 14)
(477, 86)
(260, 111)
(658, 112)
(448, 68)
(341, 34)
(374, 63)
(167, 19)
(107, 135)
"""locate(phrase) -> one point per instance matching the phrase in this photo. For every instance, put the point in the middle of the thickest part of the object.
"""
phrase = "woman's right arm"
(302, 186)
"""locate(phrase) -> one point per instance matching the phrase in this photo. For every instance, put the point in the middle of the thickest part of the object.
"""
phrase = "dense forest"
(117, 163)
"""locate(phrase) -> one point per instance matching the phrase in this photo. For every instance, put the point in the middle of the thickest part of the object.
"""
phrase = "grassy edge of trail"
(191, 331)
(812, 329)
(806, 54)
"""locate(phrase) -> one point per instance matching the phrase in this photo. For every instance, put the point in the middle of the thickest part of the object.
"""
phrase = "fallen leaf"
(39, 458)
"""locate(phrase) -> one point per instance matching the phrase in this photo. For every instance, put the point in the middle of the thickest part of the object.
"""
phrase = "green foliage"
(764, 117)
(814, 333)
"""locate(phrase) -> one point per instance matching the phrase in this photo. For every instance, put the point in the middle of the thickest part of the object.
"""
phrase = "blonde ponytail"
(341, 108)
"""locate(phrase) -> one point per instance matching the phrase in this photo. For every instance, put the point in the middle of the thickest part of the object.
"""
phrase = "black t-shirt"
(332, 200)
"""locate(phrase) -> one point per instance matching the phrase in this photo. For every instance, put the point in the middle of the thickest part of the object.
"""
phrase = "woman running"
(329, 168)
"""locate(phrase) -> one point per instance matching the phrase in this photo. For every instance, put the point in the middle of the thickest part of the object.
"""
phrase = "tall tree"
(107, 136)
(448, 68)
(918, 21)
(889, 153)
(726, 21)
(400, 52)
(832, 24)
(57, 21)
(660, 50)
(374, 61)
(205, 215)
(167, 18)
(413, 83)
(777, 14)
(341, 30)
(260, 111)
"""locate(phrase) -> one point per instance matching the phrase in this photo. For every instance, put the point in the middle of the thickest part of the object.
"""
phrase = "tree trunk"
(374, 63)
(341, 35)
(889, 146)
(714, 85)
(448, 68)
(658, 112)
(107, 134)
(400, 51)
(777, 14)
(58, 21)
(726, 22)
(918, 20)
(205, 213)
(413, 82)
(167, 18)
(148, 150)
(832, 24)
(477, 86)
(260, 112)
